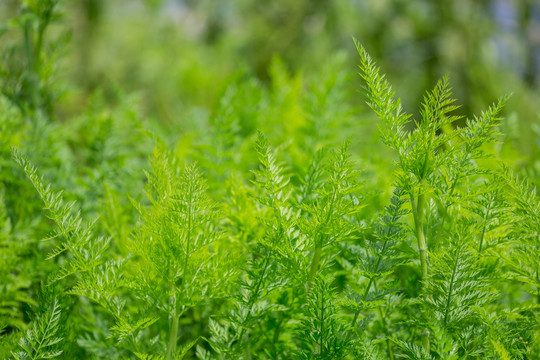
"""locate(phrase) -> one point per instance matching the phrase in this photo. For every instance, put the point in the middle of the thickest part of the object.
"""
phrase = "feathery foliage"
(42, 340)
(296, 241)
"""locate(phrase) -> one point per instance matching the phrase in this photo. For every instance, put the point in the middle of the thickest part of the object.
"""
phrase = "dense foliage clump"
(272, 232)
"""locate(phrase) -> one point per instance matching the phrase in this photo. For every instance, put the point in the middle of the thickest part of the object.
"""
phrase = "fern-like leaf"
(42, 340)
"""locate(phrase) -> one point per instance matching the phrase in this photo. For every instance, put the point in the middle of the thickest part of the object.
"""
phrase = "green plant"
(42, 340)
(233, 243)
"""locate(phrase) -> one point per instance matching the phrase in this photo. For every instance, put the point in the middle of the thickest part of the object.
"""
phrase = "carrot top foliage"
(269, 233)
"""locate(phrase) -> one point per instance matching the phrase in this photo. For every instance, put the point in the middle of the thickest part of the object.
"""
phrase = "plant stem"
(441, 226)
(450, 290)
(484, 230)
(322, 351)
(363, 299)
(173, 336)
(315, 262)
(418, 213)
(385, 329)
(275, 340)
(419, 227)
(254, 296)
(173, 329)
(318, 243)
(538, 268)
(371, 281)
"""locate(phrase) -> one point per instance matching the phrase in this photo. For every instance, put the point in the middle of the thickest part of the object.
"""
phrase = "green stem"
(315, 262)
(425, 340)
(248, 348)
(254, 296)
(385, 329)
(188, 237)
(371, 281)
(450, 290)
(318, 242)
(173, 336)
(275, 340)
(418, 213)
(363, 299)
(312, 272)
(445, 215)
(484, 230)
(173, 329)
(538, 268)
(322, 352)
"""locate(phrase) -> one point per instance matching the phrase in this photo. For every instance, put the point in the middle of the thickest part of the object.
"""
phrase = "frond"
(322, 332)
(380, 96)
(179, 223)
(483, 129)
(456, 285)
(525, 218)
(329, 215)
(378, 257)
(101, 286)
(437, 106)
(142, 356)
(501, 351)
(125, 327)
(412, 351)
(271, 178)
(86, 250)
(368, 351)
(42, 340)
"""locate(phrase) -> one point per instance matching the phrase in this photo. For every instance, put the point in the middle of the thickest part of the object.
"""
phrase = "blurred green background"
(179, 56)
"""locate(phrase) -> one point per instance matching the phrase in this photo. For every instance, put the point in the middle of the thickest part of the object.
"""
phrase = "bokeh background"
(179, 56)
(179, 53)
